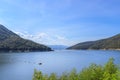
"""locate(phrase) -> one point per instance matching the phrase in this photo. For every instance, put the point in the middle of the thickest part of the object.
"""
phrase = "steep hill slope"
(9, 41)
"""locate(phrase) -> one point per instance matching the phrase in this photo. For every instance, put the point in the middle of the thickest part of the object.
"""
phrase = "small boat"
(40, 63)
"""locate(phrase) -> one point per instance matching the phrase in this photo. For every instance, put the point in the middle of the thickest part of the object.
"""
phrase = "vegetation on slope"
(5, 33)
(109, 43)
(109, 71)
(10, 41)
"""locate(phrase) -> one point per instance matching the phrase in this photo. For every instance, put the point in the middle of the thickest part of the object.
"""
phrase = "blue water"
(20, 66)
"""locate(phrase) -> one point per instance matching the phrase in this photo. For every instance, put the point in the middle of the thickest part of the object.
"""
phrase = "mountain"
(5, 33)
(108, 43)
(58, 47)
(10, 42)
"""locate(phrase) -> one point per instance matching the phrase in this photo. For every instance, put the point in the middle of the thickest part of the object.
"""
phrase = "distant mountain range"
(108, 43)
(58, 47)
(10, 42)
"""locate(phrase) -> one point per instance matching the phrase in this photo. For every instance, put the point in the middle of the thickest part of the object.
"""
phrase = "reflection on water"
(20, 66)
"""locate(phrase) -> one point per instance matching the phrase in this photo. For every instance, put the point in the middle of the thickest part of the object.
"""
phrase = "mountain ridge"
(11, 42)
(107, 43)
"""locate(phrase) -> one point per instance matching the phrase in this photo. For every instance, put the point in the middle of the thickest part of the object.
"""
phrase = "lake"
(20, 66)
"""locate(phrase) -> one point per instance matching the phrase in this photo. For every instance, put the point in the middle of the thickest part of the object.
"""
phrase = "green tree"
(53, 77)
(110, 70)
(37, 75)
(93, 72)
(73, 75)
(64, 77)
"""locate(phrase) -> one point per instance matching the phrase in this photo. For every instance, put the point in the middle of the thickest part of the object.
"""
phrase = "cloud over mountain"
(45, 38)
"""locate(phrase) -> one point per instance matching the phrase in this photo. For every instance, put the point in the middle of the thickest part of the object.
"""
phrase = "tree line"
(109, 71)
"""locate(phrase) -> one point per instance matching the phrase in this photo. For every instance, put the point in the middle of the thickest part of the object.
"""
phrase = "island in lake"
(112, 43)
(11, 42)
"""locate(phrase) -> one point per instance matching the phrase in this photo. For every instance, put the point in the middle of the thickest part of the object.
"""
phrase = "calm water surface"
(20, 66)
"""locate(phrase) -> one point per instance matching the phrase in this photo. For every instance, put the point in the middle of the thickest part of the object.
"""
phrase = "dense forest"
(109, 71)
(109, 43)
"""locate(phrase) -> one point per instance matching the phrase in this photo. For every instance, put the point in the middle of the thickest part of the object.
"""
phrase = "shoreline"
(95, 49)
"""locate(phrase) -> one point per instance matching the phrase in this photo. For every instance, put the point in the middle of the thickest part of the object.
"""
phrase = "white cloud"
(60, 37)
(44, 38)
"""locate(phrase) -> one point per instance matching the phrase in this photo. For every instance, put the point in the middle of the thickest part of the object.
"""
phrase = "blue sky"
(64, 22)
